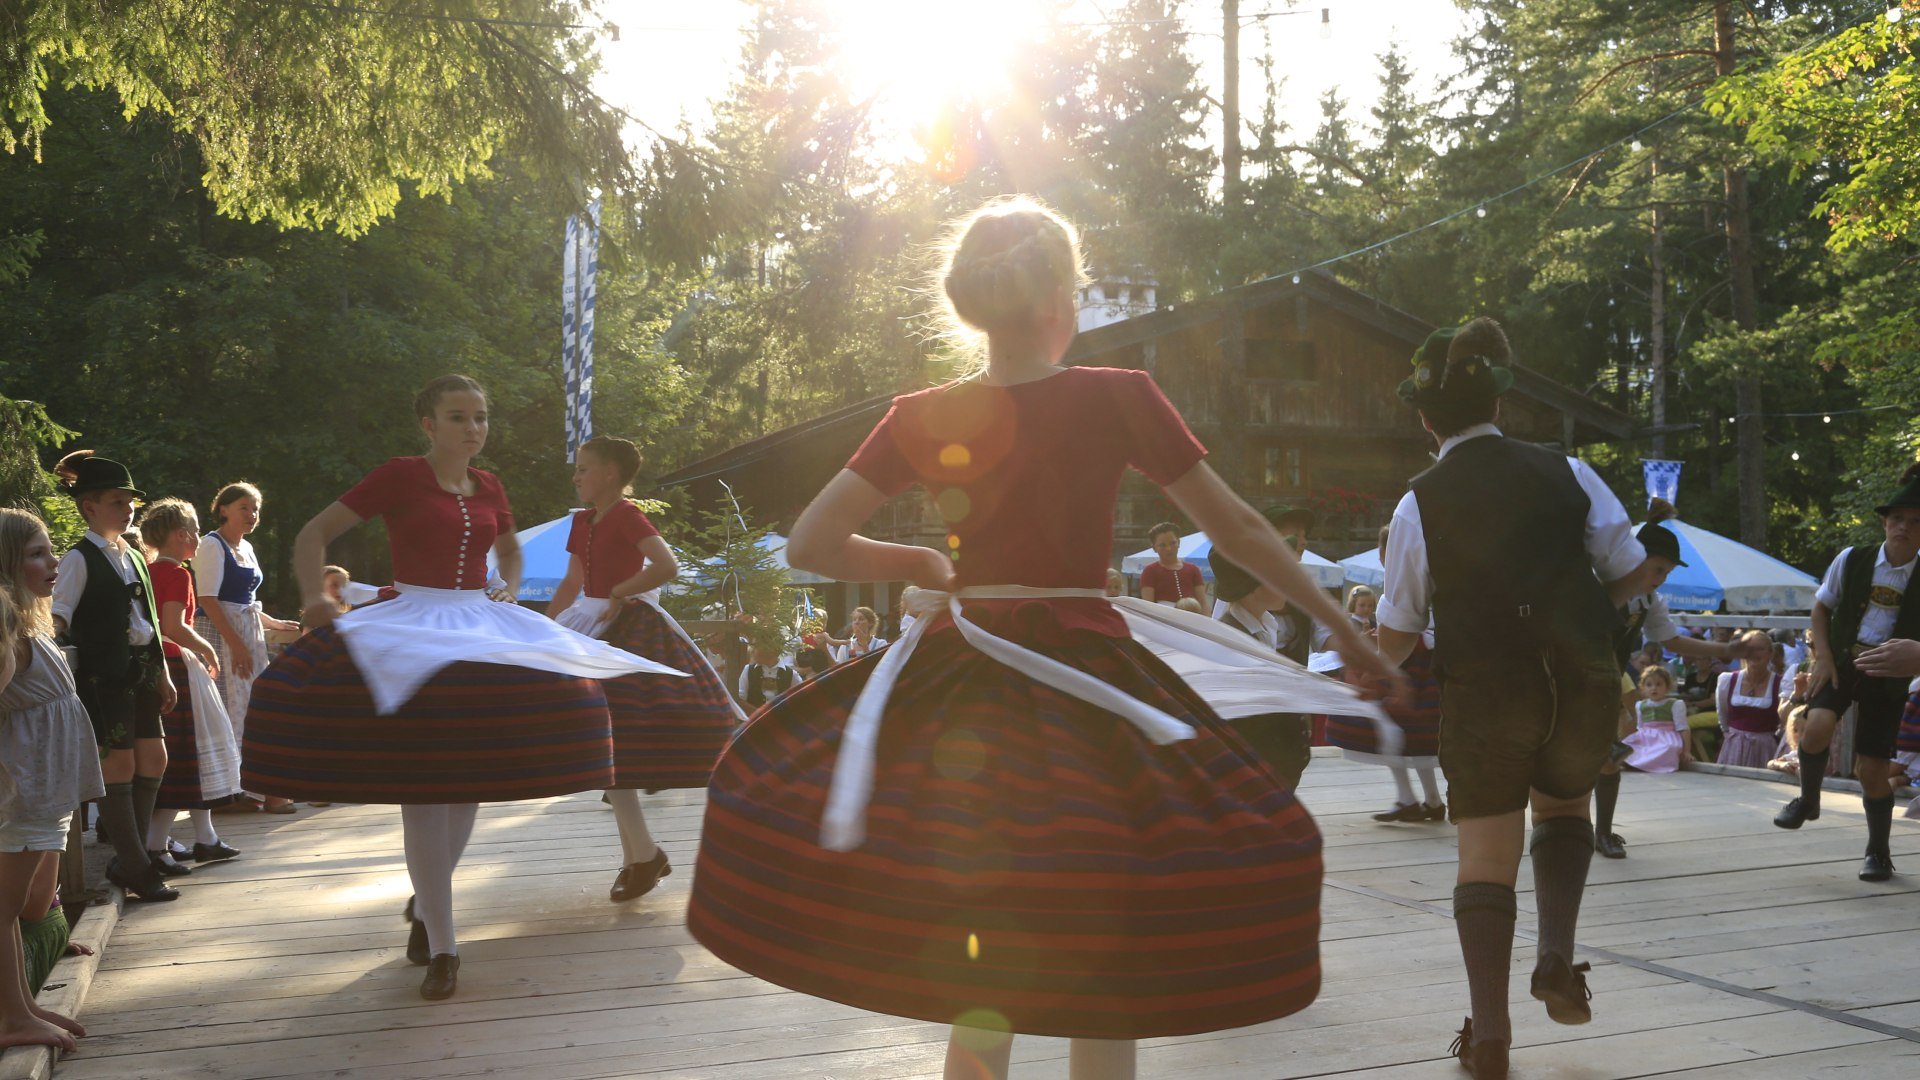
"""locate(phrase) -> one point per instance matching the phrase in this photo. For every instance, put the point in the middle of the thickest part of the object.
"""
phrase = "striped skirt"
(1032, 863)
(1419, 722)
(180, 785)
(474, 733)
(1908, 741)
(1752, 749)
(667, 733)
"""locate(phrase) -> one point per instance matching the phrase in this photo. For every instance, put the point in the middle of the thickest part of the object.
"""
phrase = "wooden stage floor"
(1722, 948)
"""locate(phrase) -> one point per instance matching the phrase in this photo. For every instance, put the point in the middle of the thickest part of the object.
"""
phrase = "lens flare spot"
(953, 504)
(981, 1029)
(959, 755)
(973, 946)
(955, 456)
(953, 541)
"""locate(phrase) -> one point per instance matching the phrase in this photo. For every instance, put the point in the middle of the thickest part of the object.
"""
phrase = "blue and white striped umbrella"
(1365, 569)
(1722, 570)
(1195, 547)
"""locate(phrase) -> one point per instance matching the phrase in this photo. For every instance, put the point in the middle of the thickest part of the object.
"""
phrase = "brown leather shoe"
(443, 977)
(638, 879)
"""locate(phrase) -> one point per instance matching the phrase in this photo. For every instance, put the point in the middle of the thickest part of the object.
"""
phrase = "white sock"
(1431, 785)
(636, 842)
(1403, 788)
(203, 827)
(158, 828)
(435, 836)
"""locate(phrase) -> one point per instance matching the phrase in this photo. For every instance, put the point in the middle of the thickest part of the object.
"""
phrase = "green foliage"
(25, 431)
(725, 571)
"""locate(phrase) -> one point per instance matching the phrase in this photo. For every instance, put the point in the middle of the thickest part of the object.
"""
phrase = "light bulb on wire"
(1480, 211)
(1795, 455)
(1894, 12)
(1826, 419)
(1326, 24)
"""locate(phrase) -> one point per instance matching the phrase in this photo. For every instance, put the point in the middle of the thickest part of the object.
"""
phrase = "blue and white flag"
(580, 265)
(1663, 479)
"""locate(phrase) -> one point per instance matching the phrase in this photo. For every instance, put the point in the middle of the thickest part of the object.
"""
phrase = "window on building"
(1283, 471)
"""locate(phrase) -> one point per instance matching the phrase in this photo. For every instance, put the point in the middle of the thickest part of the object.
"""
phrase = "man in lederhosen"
(1507, 545)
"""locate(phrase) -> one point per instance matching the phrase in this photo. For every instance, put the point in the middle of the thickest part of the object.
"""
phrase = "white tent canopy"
(1195, 547)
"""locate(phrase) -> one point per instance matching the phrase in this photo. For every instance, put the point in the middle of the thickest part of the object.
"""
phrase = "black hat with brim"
(100, 474)
(1285, 512)
(1907, 498)
(1434, 384)
(1659, 540)
(1230, 582)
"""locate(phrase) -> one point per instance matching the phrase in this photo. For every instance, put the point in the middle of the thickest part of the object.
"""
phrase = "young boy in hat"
(1866, 600)
(1649, 622)
(1507, 544)
(103, 606)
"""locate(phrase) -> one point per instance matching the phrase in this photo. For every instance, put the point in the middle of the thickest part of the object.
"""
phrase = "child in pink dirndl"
(1659, 743)
(1017, 817)
(667, 733)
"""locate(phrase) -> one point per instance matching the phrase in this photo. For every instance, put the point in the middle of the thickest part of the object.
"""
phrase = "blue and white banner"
(580, 265)
(1663, 479)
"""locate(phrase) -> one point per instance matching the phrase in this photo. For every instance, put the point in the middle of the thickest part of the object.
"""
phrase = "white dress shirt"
(1658, 626)
(1883, 602)
(1406, 599)
(70, 580)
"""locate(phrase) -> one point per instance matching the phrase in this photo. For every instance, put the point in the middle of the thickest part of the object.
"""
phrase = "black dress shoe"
(150, 887)
(167, 865)
(1437, 812)
(1878, 867)
(214, 852)
(1482, 1060)
(1610, 845)
(1563, 986)
(638, 879)
(417, 949)
(407, 912)
(1412, 811)
(1796, 813)
(443, 977)
(176, 849)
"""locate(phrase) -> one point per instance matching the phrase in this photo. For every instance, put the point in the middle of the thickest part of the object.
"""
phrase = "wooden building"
(1289, 382)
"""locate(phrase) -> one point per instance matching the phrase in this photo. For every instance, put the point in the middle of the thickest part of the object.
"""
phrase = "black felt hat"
(99, 474)
(1907, 498)
(1230, 582)
(1659, 540)
(1285, 512)
(1441, 379)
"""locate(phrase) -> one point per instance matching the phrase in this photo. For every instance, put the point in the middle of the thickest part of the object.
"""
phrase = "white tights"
(636, 842)
(975, 1054)
(162, 825)
(435, 837)
(1403, 785)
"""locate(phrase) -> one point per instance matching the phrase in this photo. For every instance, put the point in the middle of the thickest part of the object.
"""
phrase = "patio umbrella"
(1195, 547)
(1365, 569)
(1721, 570)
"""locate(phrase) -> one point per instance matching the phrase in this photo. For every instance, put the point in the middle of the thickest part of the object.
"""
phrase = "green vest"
(102, 617)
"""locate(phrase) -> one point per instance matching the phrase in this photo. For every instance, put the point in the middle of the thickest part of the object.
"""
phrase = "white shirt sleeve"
(1407, 594)
(70, 580)
(1723, 695)
(1659, 625)
(840, 653)
(209, 566)
(1609, 540)
(744, 672)
(1680, 717)
(1829, 591)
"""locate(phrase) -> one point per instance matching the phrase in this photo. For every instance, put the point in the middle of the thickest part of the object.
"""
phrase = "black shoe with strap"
(1563, 986)
(418, 951)
(1484, 1060)
(217, 851)
(1877, 867)
(443, 977)
(1412, 811)
(166, 865)
(149, 887)
(638, 879)
(1796, 813)
(1610, 845)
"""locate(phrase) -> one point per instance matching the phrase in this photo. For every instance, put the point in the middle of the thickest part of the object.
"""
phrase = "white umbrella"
(1195, 547)
(1365, 569)
(1720, 570)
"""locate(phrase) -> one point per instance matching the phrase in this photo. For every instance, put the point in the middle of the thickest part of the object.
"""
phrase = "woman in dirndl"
(227, 573)
(1018, 818)
(444, 696)
(1748, 701)
(1418, 717)
(667, 733)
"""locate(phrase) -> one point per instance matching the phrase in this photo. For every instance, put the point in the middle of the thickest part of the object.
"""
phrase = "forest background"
(236, 237)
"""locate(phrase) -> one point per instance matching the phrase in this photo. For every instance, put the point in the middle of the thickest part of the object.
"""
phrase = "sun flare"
(915, 56)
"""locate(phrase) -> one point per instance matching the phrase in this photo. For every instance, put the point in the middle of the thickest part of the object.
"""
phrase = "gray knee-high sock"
(1813, 772)
(127, 833)
(1483, 913)
(1606, 795)
(1562, 850)
(146, 792)
(1879, 824)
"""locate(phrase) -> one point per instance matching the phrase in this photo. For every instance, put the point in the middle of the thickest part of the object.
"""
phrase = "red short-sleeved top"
(172, 584)
(610, 547)
(1026, 476)
(1171, 585)
(437, 539)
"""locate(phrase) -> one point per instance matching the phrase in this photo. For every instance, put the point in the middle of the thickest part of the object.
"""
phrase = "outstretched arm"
(824, 540)
(310, 561)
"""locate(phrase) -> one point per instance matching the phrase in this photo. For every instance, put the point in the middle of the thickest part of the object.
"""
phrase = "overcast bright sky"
(676, 56)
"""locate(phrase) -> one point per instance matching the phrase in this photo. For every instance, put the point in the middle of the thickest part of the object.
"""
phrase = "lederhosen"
(1881, 701)
(1526, 636)
(117, 681)
(1283, 740)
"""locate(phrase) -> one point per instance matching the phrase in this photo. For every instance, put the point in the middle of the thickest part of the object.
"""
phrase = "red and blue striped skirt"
(474, 733)
(667, 733)
(180, 784)
(1908, 741)
(1032, 863)
(1419, 719)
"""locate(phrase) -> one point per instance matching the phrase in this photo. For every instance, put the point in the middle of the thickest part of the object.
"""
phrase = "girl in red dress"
(444, 696)
(203, 759)
(666, 733)
(1017, 818)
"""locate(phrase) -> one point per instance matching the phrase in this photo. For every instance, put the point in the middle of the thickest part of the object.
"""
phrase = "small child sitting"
(1659, 741)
